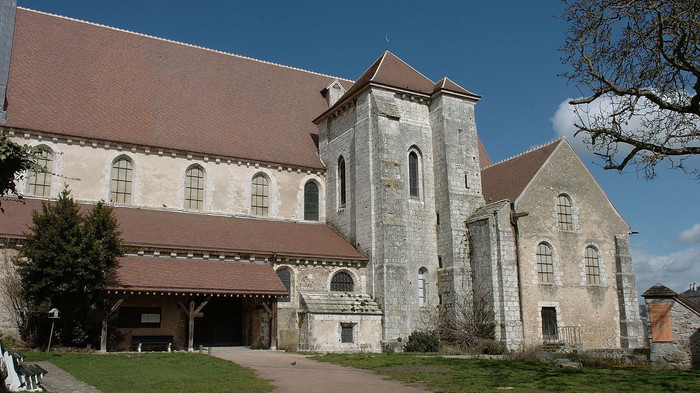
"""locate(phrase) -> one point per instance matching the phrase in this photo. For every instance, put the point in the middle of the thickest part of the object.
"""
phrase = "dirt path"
(309, 376)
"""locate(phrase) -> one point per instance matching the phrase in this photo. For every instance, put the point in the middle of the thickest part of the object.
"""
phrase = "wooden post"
(273, 339)
(191, 313)
(107, 312)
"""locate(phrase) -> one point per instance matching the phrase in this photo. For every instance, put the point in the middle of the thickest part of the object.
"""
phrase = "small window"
(439, 261)
(286, 277)
(422, 275)
(566, 222)
(341, 182)
(545, 263)
(592, 266)
(259, 195)
(39, 182)
(466, 180)
(120, 186)
(413, 174)
(311, 201)
(346, 331)
(342, 281)
(194, 187)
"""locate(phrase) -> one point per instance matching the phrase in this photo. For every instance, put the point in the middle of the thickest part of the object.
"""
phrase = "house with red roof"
(275, 207)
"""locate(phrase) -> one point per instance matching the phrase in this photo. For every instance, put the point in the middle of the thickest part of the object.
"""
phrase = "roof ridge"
(525, 152)
(185, 44)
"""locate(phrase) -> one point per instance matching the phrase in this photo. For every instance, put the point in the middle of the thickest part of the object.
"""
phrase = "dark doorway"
(549, 324)
(220, 323)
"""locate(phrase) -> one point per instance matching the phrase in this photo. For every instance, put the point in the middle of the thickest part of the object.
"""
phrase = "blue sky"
(505, 51)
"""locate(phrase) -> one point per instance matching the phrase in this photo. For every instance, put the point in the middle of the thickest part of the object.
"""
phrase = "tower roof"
(446, 84)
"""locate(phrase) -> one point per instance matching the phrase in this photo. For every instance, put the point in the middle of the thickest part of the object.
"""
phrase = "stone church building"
(271, 206)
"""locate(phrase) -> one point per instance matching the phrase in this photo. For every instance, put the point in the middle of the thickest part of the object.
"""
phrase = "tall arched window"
(545, 263)
(413, 174)
(311, 201)
(566, 222)
(194, 187)
(422, 276)
(342, 281)
(120, 185)
(592, 266)
(341, 182)
(286, 277)
(39, 182)
(259, 202)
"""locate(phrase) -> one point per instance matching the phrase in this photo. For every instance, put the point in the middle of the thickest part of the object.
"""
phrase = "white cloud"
(563, 124)
(676, 270)
(690, 235)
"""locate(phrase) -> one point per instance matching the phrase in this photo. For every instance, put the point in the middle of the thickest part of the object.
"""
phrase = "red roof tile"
(196, 276)
(484, 159)
(507, 179)
(145, 228)
(76, 78)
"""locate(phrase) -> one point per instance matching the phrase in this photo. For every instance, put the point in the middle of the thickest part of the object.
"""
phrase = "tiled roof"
(339, 303)
(146, 228)
(507, 179)
(388, 71)
(484, 159)
(659, 290)
(196, 276)
(75, 78)
(448, 85)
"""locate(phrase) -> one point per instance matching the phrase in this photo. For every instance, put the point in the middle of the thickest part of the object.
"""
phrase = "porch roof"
(162, 275)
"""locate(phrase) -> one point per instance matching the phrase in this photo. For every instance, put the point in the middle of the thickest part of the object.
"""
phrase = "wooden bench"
(152, 340)
(21, 376)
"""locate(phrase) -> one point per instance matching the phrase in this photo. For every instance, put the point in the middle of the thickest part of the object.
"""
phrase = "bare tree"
(637, 63)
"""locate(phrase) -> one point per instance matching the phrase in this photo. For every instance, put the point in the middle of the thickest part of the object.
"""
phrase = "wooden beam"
(191, 314)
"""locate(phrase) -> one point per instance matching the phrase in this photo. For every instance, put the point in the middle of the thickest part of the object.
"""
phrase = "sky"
(505, 51)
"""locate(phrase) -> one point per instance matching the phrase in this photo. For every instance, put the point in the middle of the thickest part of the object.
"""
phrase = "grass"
(474, 375)
(156, 372)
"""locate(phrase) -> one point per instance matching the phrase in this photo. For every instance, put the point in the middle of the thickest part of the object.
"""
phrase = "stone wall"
(683, 351)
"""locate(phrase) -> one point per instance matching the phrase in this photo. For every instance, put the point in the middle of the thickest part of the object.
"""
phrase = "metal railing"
(569, 335)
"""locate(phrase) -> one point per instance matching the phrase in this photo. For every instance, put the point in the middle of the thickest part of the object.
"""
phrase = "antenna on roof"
(387, 42)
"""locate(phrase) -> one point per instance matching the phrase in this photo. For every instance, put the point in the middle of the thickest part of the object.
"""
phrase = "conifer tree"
(67, 258)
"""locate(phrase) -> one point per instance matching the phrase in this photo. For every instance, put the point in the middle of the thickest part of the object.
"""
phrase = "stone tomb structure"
(270, 206)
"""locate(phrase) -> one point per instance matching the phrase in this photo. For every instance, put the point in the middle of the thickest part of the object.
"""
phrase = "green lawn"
(156, 372)
(472, 375)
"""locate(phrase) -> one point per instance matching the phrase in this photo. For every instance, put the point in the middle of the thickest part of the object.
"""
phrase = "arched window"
(413, 174)
(341, 182)
(120, 186)
(194, 187)
(592, 266)
(311, 201)
(545, 263)
(342, 281)
(422, 276)
(39, 182)
(286, 277)
(566, 222)
(259, 195)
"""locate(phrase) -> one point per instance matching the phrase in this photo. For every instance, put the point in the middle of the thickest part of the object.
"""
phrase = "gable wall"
(594, 308)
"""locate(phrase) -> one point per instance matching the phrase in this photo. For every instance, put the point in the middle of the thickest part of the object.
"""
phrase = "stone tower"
(403, 176)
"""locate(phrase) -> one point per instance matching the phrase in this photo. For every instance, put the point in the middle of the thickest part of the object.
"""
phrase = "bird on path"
(294, 363)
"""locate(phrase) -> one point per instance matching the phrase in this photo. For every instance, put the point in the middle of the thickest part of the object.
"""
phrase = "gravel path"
(310, 376)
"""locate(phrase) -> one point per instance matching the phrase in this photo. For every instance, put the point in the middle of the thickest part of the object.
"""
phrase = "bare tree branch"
(643, 58)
